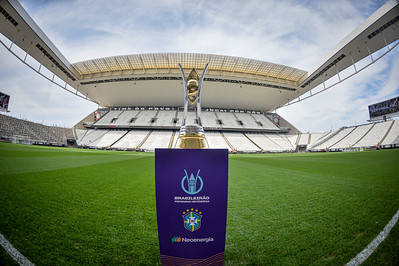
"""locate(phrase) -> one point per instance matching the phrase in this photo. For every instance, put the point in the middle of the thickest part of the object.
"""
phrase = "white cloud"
(294, 33)
(391, 86)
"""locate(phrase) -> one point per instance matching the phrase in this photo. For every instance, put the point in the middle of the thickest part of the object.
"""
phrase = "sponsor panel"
(191, 198)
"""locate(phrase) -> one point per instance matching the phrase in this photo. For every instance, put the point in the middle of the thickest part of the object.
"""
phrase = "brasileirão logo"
(191, 185)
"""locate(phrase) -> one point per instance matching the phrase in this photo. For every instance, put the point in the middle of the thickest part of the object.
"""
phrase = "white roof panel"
(169, 61)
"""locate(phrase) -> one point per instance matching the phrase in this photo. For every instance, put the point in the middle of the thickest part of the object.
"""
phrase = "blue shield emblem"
(192, 220)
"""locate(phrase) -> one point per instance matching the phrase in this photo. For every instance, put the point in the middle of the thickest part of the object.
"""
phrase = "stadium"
(339, 201)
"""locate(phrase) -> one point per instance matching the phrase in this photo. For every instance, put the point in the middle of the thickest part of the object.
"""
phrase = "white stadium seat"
(131, 140)
(393, 135)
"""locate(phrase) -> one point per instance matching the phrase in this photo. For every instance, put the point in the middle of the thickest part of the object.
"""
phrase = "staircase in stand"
(228, 142)
(144, 140)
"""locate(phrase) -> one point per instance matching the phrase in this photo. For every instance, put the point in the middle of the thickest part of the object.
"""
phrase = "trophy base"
(191, 137)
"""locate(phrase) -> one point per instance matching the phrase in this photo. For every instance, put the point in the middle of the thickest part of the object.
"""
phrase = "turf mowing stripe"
(362, 256)
(14, 253)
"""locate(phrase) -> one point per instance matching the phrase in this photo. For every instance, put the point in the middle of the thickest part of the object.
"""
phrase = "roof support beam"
(336, 69)
(368, 49)
(13, 40)
(30, 47)
(353, 62)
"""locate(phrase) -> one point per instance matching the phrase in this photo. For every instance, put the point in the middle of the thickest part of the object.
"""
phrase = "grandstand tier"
(353, 137)
(237, 131)
(233, 120)
(245, 139)
(23, 131)
(373, 135)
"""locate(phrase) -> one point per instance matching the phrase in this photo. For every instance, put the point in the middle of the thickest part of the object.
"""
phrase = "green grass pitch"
(83, 207)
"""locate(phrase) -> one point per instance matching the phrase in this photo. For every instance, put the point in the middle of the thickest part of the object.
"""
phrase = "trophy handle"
(185, 96)
(199, 95)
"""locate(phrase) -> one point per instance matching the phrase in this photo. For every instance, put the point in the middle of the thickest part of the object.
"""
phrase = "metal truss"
(64, 87)
(373, 60)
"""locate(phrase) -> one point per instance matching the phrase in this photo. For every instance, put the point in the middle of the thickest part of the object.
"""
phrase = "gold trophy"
(192, 136)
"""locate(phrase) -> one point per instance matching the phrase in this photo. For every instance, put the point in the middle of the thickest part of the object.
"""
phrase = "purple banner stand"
(191, 198)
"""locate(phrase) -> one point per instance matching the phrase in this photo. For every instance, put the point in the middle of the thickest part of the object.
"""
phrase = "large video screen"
(4, 100)
(386, 108)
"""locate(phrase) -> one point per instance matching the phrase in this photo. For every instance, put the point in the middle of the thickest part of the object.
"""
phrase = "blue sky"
(293, 33)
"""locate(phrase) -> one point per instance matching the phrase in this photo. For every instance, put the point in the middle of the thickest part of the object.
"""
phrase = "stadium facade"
(140, 96)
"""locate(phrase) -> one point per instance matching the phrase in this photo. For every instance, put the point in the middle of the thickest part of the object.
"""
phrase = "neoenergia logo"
(192, 240)
(176, 239)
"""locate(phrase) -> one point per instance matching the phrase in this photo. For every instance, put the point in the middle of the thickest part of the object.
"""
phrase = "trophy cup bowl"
(191, 137)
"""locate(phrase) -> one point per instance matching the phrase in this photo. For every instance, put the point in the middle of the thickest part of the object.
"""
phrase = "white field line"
(14, 253)
(362, 256)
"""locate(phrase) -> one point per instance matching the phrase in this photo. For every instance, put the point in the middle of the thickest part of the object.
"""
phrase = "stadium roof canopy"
(155, 80)
(168, 62)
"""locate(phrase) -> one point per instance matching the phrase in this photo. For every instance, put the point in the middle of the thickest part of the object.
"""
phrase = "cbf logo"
(192, 185)
(192, 219)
